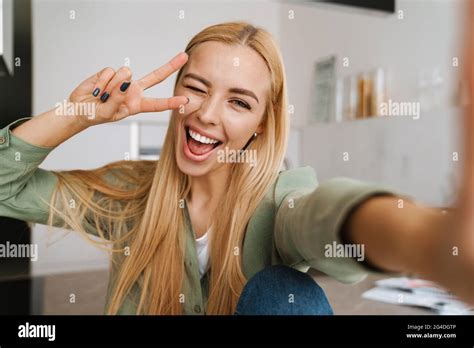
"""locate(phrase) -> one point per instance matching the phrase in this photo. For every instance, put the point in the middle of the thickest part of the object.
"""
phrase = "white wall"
(413, 156)
(7, 35)
(105, 33)
(427, 37)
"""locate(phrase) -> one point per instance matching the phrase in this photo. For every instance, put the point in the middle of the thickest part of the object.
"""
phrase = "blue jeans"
(281, 290)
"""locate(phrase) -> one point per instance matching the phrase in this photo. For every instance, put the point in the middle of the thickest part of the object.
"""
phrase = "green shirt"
(293, 225)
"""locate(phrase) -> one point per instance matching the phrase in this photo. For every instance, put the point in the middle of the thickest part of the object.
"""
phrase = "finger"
(94, 78)
(103, 78)
(163, 72)
(161, 104)
(123, 74)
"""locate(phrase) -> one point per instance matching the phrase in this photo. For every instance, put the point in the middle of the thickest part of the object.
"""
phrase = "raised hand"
(116, 96)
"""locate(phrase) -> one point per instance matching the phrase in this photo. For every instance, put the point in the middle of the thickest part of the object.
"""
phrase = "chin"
(191, 169)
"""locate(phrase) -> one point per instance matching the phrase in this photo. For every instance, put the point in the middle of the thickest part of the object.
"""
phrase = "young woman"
(199, 233)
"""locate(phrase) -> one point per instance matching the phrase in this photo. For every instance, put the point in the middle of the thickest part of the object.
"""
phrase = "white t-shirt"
(202, 248)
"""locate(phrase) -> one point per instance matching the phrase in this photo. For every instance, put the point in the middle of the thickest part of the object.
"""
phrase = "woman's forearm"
(395, 238)
(48, 129)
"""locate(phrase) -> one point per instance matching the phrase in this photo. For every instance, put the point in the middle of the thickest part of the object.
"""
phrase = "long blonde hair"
(141, 211)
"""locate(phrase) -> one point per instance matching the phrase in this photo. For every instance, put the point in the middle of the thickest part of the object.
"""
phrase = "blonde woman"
(195, 233)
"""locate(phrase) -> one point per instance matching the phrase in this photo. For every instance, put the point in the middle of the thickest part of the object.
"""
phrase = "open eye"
(194, 89)
(241, 104)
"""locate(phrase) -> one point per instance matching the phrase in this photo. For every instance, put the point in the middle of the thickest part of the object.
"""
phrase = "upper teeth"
(201, 138)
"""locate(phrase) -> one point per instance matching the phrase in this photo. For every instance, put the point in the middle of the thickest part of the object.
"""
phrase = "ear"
(259, 129)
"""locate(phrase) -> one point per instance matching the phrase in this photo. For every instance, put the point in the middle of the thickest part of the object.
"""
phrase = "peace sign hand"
(115, 96)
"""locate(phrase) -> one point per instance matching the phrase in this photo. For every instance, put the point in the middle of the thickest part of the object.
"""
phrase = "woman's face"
(227, 87)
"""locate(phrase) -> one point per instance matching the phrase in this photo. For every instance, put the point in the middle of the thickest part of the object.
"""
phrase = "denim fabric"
(281, 290)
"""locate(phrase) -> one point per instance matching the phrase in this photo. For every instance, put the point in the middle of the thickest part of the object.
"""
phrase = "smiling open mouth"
(199, 144)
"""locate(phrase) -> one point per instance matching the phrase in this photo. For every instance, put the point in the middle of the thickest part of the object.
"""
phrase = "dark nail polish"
(105, 96)
(96, 92)
(124, 86)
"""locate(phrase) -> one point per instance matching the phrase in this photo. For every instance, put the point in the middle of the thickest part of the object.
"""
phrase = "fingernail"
(124, 86)
(96, 92)
(105, 96)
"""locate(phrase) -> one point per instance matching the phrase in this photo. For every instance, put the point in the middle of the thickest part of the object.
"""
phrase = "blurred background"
(343, 59)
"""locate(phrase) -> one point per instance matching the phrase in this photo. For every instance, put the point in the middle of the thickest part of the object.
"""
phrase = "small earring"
(255, 134)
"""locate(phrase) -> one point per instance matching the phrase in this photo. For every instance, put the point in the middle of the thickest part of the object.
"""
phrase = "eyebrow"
(232, 90)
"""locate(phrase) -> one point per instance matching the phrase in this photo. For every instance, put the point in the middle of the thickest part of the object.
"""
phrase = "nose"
(209, 111)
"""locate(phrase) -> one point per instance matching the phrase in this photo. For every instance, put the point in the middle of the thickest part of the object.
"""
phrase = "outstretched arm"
(439, 247)
(398, 236)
